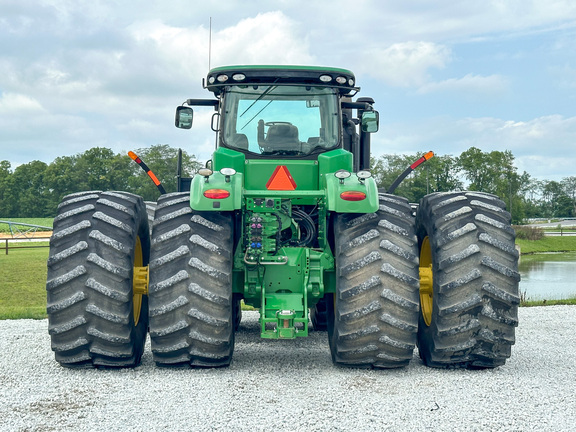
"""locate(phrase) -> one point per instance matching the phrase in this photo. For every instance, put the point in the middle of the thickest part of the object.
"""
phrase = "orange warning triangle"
(281, 179)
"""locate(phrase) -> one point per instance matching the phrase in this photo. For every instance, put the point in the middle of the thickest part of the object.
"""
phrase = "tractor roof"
(341, 79)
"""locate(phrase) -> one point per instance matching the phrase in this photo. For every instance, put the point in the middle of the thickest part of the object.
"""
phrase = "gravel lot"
(293, 386)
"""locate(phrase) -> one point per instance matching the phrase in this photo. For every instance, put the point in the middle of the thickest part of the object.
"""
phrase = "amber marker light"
(423, 159)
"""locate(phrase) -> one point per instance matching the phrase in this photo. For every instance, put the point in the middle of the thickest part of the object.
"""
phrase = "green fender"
(202, 187)
(336, 189)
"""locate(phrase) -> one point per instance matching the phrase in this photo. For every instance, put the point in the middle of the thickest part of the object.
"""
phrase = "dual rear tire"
(446, 280)
(97, 311)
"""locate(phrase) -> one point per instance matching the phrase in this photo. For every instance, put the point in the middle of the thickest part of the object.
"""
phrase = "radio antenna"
(210, 45)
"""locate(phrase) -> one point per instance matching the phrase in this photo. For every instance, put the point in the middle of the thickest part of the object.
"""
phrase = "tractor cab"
(280, 121)
(286, 111)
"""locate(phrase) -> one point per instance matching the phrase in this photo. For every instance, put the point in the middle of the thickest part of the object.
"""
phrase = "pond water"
(548, 276)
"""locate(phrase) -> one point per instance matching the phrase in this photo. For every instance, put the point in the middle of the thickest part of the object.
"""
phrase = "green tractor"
(287, 218)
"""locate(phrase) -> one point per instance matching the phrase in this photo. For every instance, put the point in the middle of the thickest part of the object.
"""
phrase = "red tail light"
(353, 196)
(216, 193)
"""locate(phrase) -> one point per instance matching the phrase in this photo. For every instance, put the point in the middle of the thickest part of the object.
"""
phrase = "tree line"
(492, 172)
(35, 189)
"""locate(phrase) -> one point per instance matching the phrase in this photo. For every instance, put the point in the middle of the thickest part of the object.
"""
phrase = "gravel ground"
(293, 386)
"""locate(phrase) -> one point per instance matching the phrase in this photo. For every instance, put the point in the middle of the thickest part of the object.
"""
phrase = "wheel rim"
(139, 281)
(426, 281)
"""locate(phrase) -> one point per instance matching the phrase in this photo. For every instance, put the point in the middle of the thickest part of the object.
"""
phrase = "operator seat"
(283, 137)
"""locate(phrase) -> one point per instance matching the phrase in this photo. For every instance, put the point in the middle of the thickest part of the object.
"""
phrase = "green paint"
(335, 188)
(273, 271)
(303, 172)
(282, 202)
(226, 158)
(202, 186)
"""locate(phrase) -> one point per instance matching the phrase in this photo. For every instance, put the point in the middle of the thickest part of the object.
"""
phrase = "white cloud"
(18, 104)
(409, 64)
(543, 147)
(476, 84)
(162, 48)
(405, 64)
(448, 21)
(268, 38)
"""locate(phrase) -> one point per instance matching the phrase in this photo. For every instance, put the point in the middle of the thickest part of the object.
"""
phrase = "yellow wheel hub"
(426, 281)
(139, 281)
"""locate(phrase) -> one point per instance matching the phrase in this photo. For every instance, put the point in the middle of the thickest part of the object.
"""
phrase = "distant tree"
(61, 178)
(27, 191)
(444, 173)
(569, 186)
(487, 171)
(96, 169)
(162, 160)
(388, 167)
(102, 169)
(36, 189)
(439, 174)
(555, 201)
(5, 202)
(494, 172)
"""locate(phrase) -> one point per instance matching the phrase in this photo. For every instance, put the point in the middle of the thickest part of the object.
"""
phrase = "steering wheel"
(274, 123)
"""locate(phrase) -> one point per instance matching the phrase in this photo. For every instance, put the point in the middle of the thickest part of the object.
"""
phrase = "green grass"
(531, 303)
(548, 244)
(4, 228)
(22, 282)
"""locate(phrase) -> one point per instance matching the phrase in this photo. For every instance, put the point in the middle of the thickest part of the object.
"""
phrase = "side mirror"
(184, 116)
(370, 121)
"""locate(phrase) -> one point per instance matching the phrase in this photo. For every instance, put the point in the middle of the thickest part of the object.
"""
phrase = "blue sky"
(445, 75)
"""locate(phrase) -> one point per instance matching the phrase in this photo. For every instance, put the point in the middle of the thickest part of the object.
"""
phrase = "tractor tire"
(150, 210)
(373, 319)
(237, 312)
(192, 315)
(469, 281)
(319, 315)
(95, 318)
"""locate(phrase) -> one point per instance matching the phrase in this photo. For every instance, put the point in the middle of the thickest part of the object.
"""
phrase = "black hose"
(307, 223)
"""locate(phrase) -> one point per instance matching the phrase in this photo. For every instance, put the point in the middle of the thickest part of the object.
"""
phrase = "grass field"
(22, 282)
(548, 244)
(23, 276)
